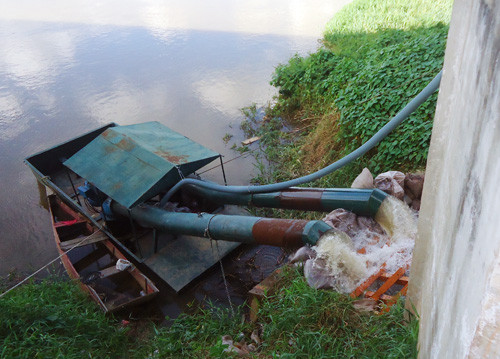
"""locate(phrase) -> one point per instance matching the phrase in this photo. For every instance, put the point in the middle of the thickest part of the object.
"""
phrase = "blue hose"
(360, 151)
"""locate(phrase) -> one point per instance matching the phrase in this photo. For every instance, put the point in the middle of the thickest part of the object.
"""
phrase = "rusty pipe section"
(363, 202)
(244, 229)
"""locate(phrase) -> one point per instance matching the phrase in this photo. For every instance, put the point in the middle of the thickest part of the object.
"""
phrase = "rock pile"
(407, 188)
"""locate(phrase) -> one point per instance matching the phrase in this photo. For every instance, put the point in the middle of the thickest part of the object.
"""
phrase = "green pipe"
(363, 202)
(360, 151)
(244, 229)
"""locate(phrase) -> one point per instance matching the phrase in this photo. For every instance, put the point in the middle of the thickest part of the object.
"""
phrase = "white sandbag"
(364, 179)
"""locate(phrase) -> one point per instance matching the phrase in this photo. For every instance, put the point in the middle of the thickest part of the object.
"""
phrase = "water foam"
(341, 259)
(393, 249)
(400, 223)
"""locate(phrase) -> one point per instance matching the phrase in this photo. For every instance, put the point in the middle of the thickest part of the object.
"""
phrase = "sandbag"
(392, 183)
(318, 274)
(364, 179)
(369, 224)
(302, 255)
(413, 185)
(343, 220)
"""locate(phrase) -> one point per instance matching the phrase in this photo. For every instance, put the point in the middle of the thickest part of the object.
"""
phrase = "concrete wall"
(455, 275)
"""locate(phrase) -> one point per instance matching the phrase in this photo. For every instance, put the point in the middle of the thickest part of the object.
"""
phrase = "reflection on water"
(66, 68)
(279, 17)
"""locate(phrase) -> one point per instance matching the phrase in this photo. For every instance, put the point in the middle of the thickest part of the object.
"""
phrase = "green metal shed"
(133, 163)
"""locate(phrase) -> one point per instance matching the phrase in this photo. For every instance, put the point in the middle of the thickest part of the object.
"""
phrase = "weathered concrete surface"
(455, 276)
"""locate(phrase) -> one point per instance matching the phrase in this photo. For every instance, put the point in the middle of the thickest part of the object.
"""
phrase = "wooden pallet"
(387, 281)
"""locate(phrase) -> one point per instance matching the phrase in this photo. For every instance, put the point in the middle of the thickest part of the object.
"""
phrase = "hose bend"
(360, 151)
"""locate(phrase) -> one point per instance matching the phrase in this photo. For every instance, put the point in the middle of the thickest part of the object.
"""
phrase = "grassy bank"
(295, 322)
(376, 56)
(55, 320)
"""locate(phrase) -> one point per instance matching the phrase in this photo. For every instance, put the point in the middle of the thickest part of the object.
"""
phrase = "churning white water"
(400, 224)
(341, 260)
(352, 260)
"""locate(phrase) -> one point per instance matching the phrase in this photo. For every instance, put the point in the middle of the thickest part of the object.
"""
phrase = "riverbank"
(376, 56)
(329, 103)
(54, 319)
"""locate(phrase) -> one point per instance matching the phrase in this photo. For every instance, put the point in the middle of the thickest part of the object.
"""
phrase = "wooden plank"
(384, 287)
(108, 272)
(67, 223)
(90, 258)
(364, 286)
(249, 141)
(401, 281)
(404, 290)
(383, 297)
(266, 287)
(76, 242)
(394, 299)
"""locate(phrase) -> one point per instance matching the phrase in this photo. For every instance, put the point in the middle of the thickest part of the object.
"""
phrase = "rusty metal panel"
(134, 163)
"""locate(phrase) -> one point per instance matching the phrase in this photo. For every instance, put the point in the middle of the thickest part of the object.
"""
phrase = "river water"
(69, 67)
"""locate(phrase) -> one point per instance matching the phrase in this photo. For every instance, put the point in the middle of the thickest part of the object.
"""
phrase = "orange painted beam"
(401, 281)
(364, 286)
(388, 283)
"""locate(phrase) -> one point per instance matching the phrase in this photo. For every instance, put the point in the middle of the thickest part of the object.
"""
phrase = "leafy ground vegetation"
(297, 321)
(376, 56)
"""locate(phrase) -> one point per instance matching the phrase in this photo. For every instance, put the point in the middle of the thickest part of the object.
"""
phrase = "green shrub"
(377, 56)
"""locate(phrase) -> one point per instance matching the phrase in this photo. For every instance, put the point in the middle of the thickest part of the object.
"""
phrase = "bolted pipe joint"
(243, 229)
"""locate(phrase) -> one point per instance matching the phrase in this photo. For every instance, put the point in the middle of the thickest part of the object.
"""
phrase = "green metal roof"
(133, 163)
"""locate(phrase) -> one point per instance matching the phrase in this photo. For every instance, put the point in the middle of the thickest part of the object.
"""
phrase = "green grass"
(54, 319)
(296, 322)
(377, 56)
(198, 334)
(303, 322)
(368, 17)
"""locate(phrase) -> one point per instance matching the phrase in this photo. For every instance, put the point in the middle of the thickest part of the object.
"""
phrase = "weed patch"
(377, 55)
(300, 321)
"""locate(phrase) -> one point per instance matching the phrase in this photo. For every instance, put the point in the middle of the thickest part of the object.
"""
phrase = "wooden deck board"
(108, 272)
(98, 237)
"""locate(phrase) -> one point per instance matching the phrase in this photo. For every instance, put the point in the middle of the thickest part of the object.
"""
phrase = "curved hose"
(360, 151)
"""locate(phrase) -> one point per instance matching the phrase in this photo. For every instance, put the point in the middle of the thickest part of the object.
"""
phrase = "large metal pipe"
(360, 151)
(244, 229)
(363, 202)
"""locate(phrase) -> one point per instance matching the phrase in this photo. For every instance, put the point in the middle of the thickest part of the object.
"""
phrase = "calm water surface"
(69, 67)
